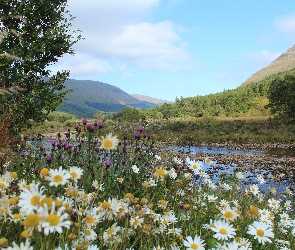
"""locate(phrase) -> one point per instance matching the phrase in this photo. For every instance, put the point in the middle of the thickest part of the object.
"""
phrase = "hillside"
(89, 96)
(149, 99)
(285, 62)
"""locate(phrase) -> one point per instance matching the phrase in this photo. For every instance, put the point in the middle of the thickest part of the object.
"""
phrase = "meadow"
(92, 190)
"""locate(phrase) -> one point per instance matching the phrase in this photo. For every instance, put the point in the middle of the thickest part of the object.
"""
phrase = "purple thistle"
(107, 164)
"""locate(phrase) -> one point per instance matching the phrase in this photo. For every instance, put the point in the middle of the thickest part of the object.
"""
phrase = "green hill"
(285, 62)
(88, 97)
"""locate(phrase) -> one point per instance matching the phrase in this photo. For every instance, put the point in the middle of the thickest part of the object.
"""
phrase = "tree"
(130, 114)
(34, 35)
(99, 115)
(281, 96)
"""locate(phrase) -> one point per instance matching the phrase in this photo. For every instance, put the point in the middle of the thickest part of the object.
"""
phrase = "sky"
(169, 49)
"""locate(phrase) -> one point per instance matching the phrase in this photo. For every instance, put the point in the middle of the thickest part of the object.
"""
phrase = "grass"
(97, 192)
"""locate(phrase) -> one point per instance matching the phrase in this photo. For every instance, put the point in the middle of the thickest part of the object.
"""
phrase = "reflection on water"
(215, 169)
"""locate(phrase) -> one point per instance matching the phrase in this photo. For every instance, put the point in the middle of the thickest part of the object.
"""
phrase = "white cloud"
(114, 33)
(286, 24)
(262, 58)
(82, 65)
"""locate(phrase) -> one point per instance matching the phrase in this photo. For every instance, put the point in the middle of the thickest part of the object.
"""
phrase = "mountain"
(88, 97)
(150, 99)
(285, 62)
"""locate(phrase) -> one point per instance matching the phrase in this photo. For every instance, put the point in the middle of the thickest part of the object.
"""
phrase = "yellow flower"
(3, 241)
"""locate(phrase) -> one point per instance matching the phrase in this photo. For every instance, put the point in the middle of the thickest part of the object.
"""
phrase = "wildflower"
(254, 189)
(31, 222)
(195, 166)
(152, 183)
(89, 234)
(110, 232)
(175, 231)
(274, 204)
(58, 177)
(22, 246)
(160, 173)
(53, 222)
(75, 173)
(194, 243)
(136, 221)
(135, 169)
(30, 198)
(109, 142)
(228, 213)
(97, 186)
(260, 231)
(223, 230)
(260, 179)
(240, 175)
(162, 203)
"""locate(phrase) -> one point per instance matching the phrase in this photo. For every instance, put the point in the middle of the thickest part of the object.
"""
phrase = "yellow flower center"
(162, 202)
(13, 175)
(31, 220)
(222, 231)
(160, 172)
(44, 171)
(129, 196)
(57, 178)
(228, 214)
(107, 143)
(88, 232)
(74, 175)
(106, 204)
(47, 200)
(12, 201)
(17, 216)
(254, 210)
(35, 200)
(53, 219)
(74, 193)
(89, 219)
(194, 246)
(194, 166)
(26, 234)
(110, 231)
(3, 241)
(260, 232)
(2, 185)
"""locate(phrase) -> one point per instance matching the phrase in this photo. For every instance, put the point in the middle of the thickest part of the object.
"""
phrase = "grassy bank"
(238, 129)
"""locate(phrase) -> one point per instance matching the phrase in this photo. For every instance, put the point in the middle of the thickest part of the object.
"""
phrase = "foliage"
(87, 191)
(41, 34)
(99, 115)
(243, 101)
(59, 116)
(282, 97)
(130, 114)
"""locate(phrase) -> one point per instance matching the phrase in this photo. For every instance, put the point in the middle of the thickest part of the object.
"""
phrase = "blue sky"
(172, 48)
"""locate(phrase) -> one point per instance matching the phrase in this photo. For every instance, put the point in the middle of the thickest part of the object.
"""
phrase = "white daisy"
(109, 142)
(223, 230)
(260, 231)
(194, 243)
(75, 173)
(135, 169)
(30, 198)
(55, 220)
(58, 177)
(22, 246)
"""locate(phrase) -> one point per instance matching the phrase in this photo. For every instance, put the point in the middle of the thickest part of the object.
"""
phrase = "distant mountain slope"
(89, 96)
(149, 99)
(285, 62)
